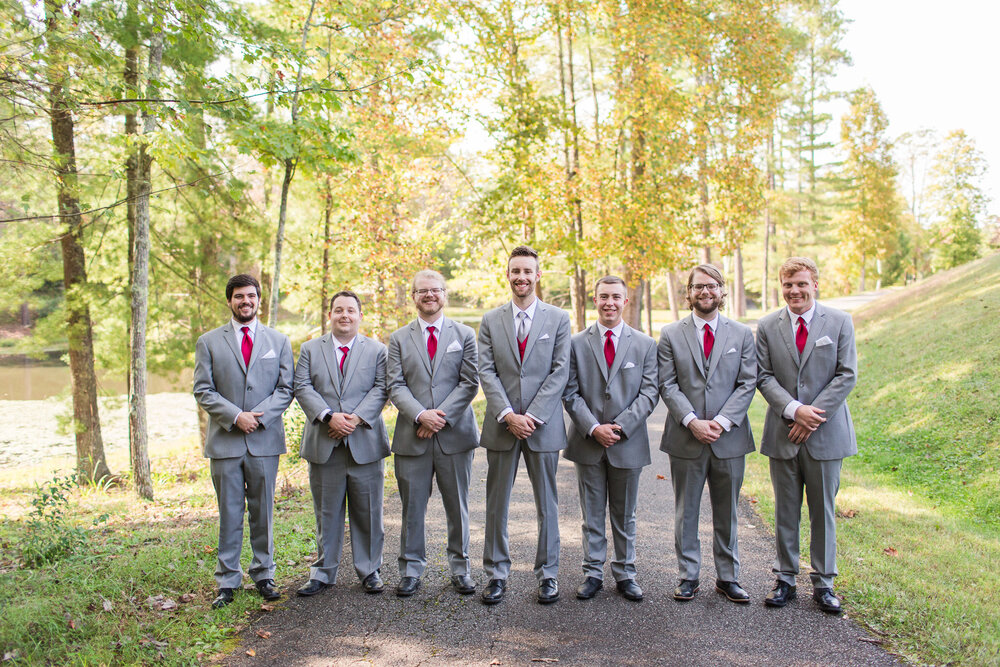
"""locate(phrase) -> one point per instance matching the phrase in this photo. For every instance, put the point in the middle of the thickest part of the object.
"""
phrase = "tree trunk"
(649, 307)
(673, 291)
(634, 306)
(739, 289)
(325, 283)
(139, 277)
(765, 301)
(91, 464)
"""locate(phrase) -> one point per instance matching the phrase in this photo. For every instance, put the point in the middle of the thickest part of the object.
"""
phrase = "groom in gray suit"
(807, 367)
(523, 368)
(610, 394)
(432, 380)
(340, 384)
(708, 374)
(243, 380)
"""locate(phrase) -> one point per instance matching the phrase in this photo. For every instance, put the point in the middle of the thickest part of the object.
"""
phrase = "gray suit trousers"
(602, 485)
(244, 481)
(725, 478)
(499, 482)
(415, 476)
(821, 480)
(338, 480)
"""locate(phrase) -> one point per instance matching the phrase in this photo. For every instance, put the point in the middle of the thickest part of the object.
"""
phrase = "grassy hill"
(919, 507)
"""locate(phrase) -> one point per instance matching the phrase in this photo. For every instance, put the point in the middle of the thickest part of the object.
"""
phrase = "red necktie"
(609, 348)
(432, 343)
(800, 335)
(343, 358)
(247, 346)
(709, 341)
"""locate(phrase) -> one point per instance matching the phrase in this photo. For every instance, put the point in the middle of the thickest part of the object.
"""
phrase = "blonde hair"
(793, 265)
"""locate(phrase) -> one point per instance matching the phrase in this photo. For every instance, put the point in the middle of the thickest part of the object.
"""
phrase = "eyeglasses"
(436, 291)
(711, 287)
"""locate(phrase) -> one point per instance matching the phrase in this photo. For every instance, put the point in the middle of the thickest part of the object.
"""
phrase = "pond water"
(25, 379)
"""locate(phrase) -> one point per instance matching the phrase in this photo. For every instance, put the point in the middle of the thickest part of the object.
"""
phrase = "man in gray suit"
(610, 394)
(432, 380)
(340, 384)
(243, 380)
(708, 374)
(523, 368)
(807, 367)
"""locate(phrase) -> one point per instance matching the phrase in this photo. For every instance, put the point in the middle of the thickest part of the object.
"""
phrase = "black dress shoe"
(629, 590)
(267, 589)
(312, 587)
(373, 583)
(494, 591)
(407, 586)
(548, 591)
(589, 588)
(224, 598)
(732, 590)
(780, 594)
(464, 584)
(686, 589)
(827, 600)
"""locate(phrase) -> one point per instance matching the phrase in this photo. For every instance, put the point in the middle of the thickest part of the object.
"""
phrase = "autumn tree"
(957, 201)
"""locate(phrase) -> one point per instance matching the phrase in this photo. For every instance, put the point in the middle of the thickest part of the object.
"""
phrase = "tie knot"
(430, 330)
(608, 334)
(245, 330)
(802, 321)
(344, 349)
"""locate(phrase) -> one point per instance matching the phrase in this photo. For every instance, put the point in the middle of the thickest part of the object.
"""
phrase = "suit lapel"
(445, 337)
(506, 321)
(417, 336)
(260, 340)
(785, 331)
(719, 348)
(597, 346)
(815, 329)
(691, 336)
(353, 358)
(327, 348)
(230, 337)
(623, 345)
(537, 327)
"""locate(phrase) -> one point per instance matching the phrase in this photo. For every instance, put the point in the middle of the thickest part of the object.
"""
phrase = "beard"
(243, 319)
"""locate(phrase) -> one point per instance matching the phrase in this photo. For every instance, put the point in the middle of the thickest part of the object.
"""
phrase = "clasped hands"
(521, 426)
(807, 419)
(248, 422)
(606, 434)
(430, 422)
(705, 431)
(342, 425)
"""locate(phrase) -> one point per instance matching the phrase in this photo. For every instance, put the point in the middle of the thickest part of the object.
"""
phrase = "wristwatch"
(327, 417)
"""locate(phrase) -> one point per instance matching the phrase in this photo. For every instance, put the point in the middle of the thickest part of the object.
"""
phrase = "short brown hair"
(523, 251)
(712, 272)
(348, 293)
(241, 280)
(793, 265)
(610, 280)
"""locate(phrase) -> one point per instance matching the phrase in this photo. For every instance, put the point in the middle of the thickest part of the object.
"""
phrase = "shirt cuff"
(534, 418)
(591, 431)
(723, 422)
(789, 411)
(504, 413)
(325, 413)
(416, 420)
(688, 418)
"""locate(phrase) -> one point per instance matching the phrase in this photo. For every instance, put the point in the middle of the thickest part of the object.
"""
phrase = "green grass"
(919, 507)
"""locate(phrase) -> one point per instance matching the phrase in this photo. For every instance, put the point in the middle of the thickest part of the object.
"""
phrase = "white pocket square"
(270, 355)
(628, 364)
(454, 347)
(825, 340)
(730, 350)
(543, 337)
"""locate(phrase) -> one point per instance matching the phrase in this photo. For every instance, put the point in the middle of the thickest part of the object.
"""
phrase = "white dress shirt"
(437, 332)
(793, 405)
(530, 313)
(616, 335)
(700, 325)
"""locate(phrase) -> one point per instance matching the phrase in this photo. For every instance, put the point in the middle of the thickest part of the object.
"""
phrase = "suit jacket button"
(249, 388)
(606, 395)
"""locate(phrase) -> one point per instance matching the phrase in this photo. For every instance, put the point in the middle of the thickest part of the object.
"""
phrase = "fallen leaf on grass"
(889, 551)
(267, 607)
(11, 655)
(847, 514)
(263, 634)
(187, 597)
(753, 500)
(161, 603)
(107, 605)
(496, 661)
(71, 624)
(251, 652)
(871, 640)
(149, 641)
(657, 477)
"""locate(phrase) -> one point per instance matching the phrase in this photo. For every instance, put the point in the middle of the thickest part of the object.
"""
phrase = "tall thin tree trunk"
(91, 464)
(739, 289)
(673, 291)
(768, 225)
(649, 307)
(325, 282)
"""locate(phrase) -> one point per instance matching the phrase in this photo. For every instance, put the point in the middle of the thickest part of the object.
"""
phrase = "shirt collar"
(807, 316)
(617, 331)
(529, 311)
(252, 325)
(436, 323)
(337, 344)
(700, 323)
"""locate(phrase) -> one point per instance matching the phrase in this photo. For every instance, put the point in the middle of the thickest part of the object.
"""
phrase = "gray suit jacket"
(224, 386)
(725, 388)
(823, 377)
(536, 386)
(449, 383)
(624, 394)
(364, 393)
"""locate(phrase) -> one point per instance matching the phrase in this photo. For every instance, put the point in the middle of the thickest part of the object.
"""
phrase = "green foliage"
(48, 536)
(957, 200)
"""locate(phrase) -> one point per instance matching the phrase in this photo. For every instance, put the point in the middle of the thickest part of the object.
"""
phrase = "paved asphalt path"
(344, 626)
